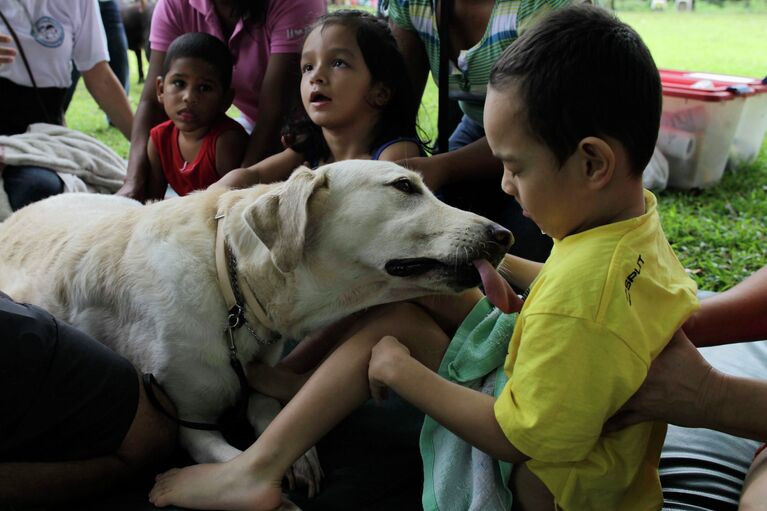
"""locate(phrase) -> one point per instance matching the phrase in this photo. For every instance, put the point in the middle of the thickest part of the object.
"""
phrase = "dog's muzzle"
(461, 272)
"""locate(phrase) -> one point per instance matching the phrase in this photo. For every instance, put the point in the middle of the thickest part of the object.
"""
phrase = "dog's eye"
(406, 186)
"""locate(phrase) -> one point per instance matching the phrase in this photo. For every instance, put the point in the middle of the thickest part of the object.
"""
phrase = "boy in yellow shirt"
(573, 111)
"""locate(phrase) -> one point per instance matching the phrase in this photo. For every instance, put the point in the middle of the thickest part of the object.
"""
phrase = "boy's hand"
(131, 191)
(387, 356)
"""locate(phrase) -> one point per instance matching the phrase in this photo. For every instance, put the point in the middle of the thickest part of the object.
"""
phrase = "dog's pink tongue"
(498, 291)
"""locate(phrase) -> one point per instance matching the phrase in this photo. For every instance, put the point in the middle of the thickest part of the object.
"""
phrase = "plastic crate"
(696, 132)
(752, 126)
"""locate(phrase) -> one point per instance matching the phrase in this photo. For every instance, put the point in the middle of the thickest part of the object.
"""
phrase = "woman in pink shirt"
(265, 38)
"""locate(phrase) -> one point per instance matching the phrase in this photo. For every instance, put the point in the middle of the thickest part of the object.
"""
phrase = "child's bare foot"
(225, 486)
(277, 382)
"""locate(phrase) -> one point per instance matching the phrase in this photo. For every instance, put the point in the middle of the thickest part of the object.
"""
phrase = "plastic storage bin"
(752, 127)
(696, 132)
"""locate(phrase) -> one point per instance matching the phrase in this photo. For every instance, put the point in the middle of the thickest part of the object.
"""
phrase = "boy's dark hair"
(581, 72)
(386, 65)
(209, 49)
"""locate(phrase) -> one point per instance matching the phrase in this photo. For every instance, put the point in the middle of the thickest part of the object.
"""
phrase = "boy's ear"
(159, 88)
(597, 160)
(380, 95)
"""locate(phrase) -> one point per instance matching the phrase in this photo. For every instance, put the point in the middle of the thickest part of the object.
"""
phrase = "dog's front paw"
(306, 471)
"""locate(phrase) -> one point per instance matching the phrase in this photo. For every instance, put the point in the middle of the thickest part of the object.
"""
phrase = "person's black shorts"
(63, 395)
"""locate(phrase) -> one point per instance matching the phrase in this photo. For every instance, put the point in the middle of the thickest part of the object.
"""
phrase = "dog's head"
(359, 233)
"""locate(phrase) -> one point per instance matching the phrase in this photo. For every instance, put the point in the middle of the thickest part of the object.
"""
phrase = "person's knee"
(152, 435)
(412, 325)
(25, 185)
(396, 319)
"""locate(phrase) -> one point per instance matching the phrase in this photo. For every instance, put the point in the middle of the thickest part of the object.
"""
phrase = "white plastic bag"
(655, 176)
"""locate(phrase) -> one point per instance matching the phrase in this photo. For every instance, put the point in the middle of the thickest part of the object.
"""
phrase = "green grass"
(719, 233)
(717, 42)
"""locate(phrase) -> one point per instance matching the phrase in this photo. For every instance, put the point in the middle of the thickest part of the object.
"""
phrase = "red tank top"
(185, 177)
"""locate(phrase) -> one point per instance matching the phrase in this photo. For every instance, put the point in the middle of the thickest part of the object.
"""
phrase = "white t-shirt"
(53, 33)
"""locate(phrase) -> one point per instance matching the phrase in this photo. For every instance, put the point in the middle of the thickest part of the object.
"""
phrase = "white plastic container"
(696, 132)
(752, 127)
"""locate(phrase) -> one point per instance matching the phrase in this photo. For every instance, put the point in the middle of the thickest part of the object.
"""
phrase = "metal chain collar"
(238, 319)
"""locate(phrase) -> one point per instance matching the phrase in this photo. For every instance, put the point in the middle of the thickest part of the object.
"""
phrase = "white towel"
(83, 163)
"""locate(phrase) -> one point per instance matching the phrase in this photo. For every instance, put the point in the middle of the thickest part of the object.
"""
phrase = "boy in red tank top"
(199, 143)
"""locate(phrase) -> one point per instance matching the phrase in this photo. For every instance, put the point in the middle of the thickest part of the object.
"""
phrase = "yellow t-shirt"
(604, 305)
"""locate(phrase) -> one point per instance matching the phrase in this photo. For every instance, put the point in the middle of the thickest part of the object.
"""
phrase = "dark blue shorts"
(63, 395)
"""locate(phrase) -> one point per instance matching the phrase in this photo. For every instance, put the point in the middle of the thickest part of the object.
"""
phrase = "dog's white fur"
(142, 279)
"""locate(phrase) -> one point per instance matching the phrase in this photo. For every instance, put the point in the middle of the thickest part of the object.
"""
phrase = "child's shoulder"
(162, 134)
(582, 267)
(398, 148)
(163, 127)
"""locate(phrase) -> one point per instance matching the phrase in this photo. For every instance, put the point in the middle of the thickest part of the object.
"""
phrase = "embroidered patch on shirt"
(49, 32)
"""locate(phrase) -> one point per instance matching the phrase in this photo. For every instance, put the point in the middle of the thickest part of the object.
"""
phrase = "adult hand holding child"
(7, 53)
(684, 389)
(679, 383)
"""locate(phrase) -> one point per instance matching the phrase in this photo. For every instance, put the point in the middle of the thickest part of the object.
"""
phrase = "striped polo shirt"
(468, 79)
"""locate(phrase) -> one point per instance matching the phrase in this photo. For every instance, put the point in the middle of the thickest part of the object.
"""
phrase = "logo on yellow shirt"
(633, 275)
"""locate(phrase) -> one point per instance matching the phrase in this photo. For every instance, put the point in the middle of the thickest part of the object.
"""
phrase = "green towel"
(458, 476)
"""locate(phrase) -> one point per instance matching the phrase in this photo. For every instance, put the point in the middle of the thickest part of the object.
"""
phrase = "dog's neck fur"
(292, 314)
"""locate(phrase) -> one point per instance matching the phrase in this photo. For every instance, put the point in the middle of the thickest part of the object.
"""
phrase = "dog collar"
(237, 294)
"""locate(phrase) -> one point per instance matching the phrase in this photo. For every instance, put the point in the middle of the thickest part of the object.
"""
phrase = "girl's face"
(336, 85)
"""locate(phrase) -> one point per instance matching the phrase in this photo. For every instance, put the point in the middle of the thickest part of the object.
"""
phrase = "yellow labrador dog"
(146, 280)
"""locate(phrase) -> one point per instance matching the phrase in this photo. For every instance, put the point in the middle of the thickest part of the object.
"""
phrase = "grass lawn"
(719, 234)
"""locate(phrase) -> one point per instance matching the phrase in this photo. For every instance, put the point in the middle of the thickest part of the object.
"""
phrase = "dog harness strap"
(149, 382)
(234, 361)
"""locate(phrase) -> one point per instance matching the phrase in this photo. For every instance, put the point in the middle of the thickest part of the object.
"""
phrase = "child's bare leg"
(284, 380)
(449, 311)
(278, 382)
(529, 492)
(338, 386)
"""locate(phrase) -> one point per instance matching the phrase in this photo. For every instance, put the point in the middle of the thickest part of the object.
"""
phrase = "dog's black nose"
(499, 235)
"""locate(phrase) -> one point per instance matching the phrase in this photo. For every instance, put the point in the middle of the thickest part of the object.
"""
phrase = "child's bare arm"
(472, 161)
(736, 315)
(230, 148)
(400, 151)
(274, 168)
(466, 412)
(155, 163)
(518, 271)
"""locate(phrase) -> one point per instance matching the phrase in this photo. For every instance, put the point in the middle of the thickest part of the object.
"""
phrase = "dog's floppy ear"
(279, 217)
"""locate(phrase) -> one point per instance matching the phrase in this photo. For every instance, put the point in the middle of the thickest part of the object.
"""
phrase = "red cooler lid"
(708, 95)
(742, 85)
